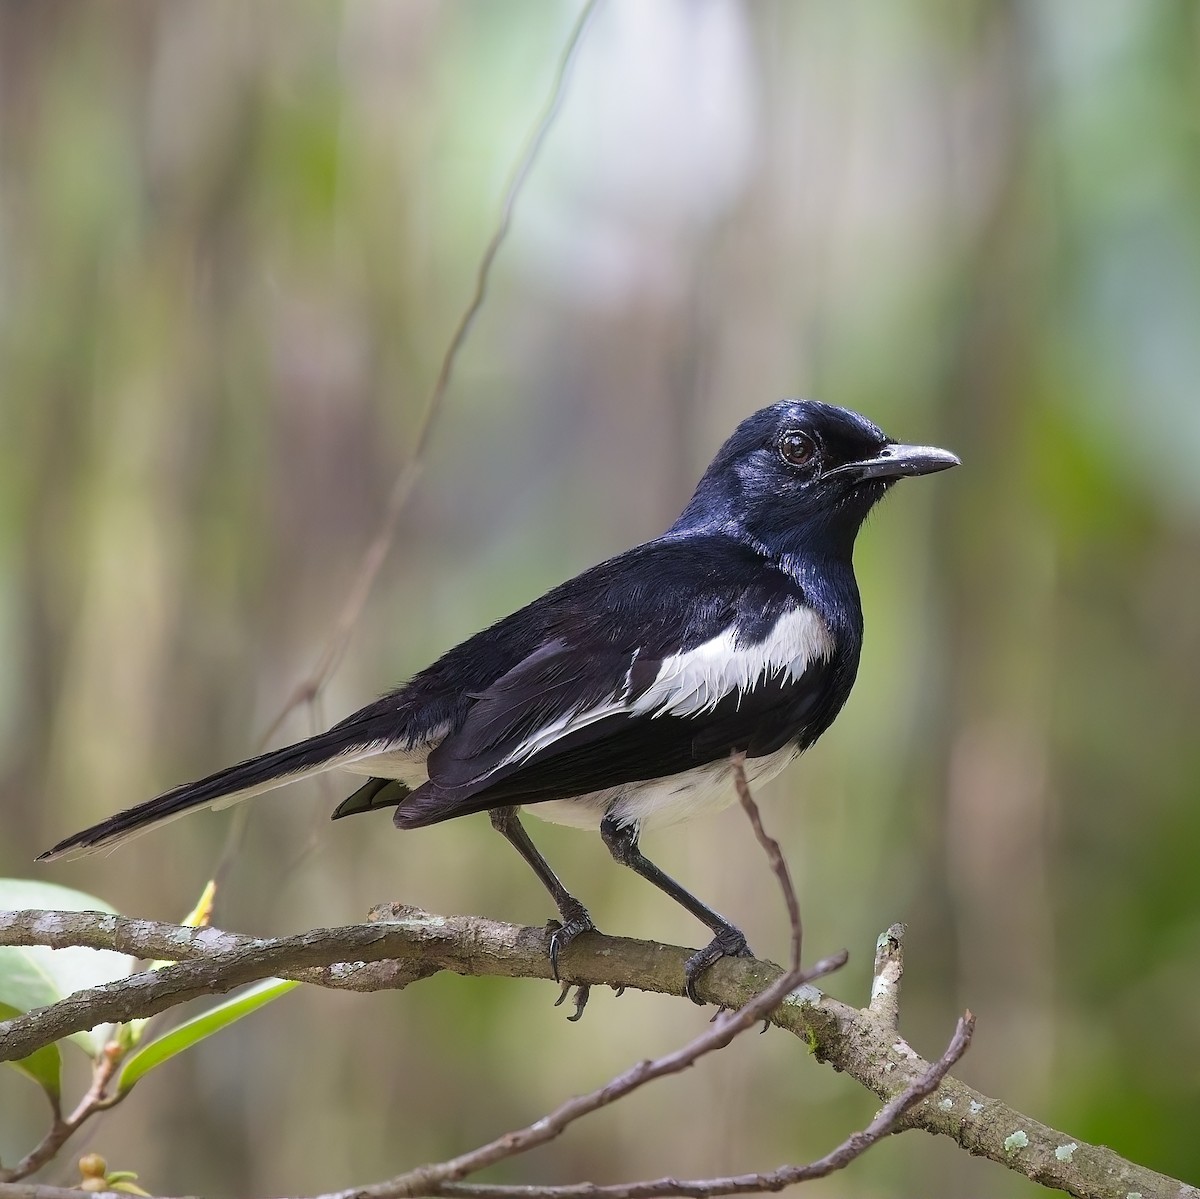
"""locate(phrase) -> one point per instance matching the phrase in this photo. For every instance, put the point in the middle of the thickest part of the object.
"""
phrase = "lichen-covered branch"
(404, 944)
(429, 1179)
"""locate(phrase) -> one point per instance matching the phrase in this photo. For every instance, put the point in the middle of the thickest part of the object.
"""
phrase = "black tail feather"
(251, 777)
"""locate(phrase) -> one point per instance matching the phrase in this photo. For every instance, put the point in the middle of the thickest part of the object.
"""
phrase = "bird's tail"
(337, 747)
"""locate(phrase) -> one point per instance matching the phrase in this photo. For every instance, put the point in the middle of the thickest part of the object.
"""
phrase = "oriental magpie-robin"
(617, 699)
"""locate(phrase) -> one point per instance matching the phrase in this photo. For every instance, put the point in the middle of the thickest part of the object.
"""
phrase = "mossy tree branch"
(402, 945)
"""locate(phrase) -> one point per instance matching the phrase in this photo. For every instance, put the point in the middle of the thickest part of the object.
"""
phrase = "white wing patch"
(696, 680)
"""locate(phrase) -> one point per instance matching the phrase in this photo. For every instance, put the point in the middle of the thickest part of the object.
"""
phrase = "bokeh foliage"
(233, 239)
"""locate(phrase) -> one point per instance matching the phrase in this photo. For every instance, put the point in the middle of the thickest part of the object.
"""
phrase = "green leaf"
(34, 976)
(201, 915)
(144, 1059)
(43, 1065)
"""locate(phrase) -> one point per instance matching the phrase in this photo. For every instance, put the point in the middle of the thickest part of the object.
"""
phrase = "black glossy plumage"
(739, 629)
(743, 550)
(660, 599)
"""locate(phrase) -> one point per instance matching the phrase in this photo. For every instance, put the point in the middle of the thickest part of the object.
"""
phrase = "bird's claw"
(575, 921)
(582, 993)
(730, 942)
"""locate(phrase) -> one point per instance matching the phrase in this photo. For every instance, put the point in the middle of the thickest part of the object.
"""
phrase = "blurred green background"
(234, 238)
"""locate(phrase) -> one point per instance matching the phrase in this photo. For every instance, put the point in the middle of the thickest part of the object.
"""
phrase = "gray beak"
(900, 461)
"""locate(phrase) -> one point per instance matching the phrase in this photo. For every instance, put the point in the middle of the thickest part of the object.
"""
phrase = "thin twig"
(376, 552)
(774, 854)
(97, 1099)
(887, 1121)
(418, 944)
(439, 1178)
(426, 1180)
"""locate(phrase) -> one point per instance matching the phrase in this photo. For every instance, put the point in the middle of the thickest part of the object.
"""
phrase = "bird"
(621, 699)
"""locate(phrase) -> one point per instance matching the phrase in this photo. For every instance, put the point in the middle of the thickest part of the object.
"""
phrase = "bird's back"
(665, 658)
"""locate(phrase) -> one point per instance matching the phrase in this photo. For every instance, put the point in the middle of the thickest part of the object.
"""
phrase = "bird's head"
(803, 475)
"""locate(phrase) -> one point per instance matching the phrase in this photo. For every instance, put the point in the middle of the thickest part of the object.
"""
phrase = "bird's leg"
(574, 915)
(728, 941)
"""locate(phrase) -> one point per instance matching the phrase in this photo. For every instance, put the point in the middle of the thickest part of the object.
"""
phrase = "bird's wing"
(576, 716)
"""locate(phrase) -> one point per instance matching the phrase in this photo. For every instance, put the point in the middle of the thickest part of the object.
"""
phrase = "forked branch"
(403, 945)
(445, 1177)
(406, 944)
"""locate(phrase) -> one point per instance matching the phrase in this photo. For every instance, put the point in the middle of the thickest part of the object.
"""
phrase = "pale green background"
(233, 239)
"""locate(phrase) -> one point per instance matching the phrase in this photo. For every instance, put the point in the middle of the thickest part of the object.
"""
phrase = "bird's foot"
(729, 942)
(582, 993)
(575, 921)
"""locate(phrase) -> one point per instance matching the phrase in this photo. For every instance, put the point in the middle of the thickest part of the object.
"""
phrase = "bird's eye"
(796, 448)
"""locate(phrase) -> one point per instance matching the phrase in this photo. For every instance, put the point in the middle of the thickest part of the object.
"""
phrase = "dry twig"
(307, 691)
(377, 551)
(774, 854)
(887, 1121)
(411, 944)
(436, 1179)
(444, 1177)
(429, 1179)
(62, 1128)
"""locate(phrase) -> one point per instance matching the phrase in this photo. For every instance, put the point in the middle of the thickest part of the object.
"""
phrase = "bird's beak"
(899, 461)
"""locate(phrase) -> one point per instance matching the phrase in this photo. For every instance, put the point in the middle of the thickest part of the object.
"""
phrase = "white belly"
(657, 803)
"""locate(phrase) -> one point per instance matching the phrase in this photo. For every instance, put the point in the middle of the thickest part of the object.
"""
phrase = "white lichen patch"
(407, 917)
(1133, 1195)
(976, 1107)
(1064, 1153)
(1015, 1141)
(904, 1050)
(804, 996)
(945, 1104)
